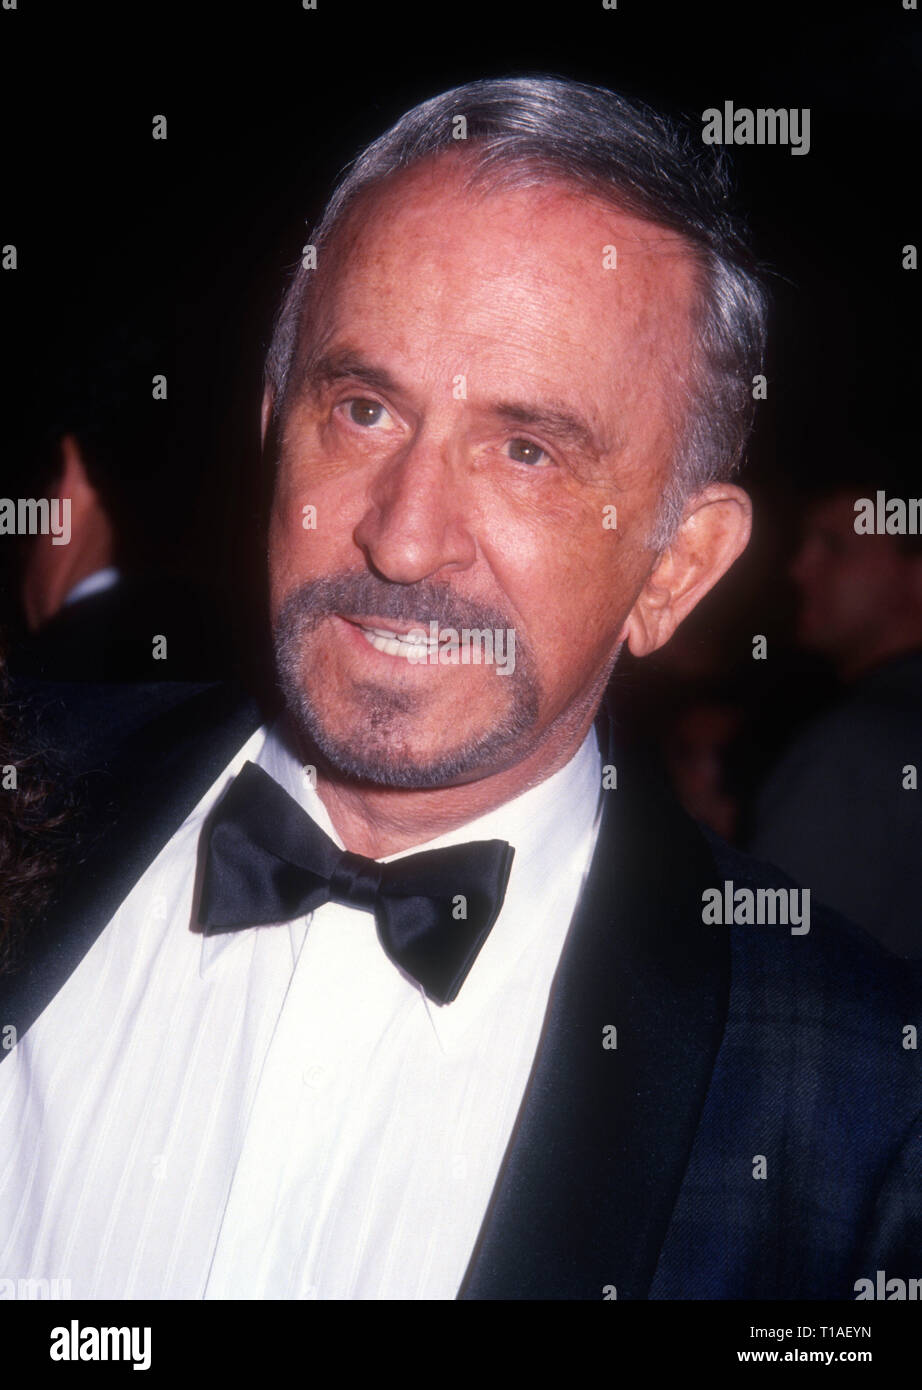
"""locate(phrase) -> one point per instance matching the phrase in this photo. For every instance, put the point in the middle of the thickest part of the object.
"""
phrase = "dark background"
(190, 238)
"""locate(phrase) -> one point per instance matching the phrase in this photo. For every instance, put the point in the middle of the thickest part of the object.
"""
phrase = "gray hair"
(529, 130)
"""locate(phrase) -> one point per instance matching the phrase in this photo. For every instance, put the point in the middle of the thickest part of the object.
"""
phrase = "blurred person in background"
(700, 751)
(841, 810)
(108, 602)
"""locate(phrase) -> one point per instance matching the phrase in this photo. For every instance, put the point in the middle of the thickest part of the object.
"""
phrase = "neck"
(376, 821)
(51, 572)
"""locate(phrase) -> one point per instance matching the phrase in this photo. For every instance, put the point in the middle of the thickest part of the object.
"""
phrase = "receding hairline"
(539, 128)
(483, 179)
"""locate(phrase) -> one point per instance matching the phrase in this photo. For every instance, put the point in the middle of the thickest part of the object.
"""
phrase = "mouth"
(408, 640)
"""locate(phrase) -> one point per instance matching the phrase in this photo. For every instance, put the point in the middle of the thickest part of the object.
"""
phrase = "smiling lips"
(412, 643)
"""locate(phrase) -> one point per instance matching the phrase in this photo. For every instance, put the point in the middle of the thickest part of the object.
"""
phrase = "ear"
(266, 414)
(714, 530)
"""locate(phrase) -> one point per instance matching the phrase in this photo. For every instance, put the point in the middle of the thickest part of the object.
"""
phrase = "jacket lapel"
(130, 808)
(602, 1140)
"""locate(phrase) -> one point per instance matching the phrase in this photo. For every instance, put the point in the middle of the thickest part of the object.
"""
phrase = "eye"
(527, 451)
(368, 413)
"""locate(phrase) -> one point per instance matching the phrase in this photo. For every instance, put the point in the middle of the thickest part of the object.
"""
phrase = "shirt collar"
(95, 583)
(546, 825)
(528, 822)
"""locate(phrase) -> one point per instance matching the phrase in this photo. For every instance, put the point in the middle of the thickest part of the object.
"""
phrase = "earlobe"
(714, 531)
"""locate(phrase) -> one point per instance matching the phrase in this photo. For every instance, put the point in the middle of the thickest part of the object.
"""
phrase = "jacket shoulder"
(79, 724)
(796, 1184)
(834, 938)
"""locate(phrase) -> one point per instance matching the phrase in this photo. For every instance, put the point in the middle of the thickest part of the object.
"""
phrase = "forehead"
(511, 273)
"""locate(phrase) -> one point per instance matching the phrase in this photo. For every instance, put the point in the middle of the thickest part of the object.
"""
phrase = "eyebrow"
(563, 425)
(327, 368)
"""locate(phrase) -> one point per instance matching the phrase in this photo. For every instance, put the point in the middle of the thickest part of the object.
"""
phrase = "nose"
(415, 526)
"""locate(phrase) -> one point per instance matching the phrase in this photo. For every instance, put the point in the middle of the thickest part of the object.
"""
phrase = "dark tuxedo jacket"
(755, 1133)
(108, 636)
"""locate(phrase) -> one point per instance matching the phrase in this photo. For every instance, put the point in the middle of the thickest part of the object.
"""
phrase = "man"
(95, 595)
(432, 1002)
(841, 810)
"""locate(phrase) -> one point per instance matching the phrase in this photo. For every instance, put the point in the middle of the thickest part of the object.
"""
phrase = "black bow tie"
(268, 861)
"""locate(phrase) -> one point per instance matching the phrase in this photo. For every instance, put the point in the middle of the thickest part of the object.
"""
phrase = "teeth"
(397, 644)
(395, 636)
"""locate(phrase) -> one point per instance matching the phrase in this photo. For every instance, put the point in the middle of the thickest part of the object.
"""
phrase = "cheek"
(280, 558)
(314, 513)
(298, 539)
(571, 581)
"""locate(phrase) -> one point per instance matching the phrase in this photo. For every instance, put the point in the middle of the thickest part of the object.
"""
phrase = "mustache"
(362, 594)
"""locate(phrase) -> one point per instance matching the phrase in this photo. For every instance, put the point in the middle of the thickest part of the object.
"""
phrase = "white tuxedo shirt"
(279, 1112)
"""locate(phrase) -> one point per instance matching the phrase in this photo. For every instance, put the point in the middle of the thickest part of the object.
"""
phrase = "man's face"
(479, 381)
(845, 581)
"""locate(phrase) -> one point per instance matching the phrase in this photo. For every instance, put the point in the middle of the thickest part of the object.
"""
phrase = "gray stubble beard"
(374, 759)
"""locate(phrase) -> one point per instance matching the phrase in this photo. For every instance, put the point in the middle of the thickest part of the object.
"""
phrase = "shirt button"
(316, 1076)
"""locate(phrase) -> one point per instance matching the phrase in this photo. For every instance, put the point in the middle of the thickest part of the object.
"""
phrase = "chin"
(386, 747)
(401, 733)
